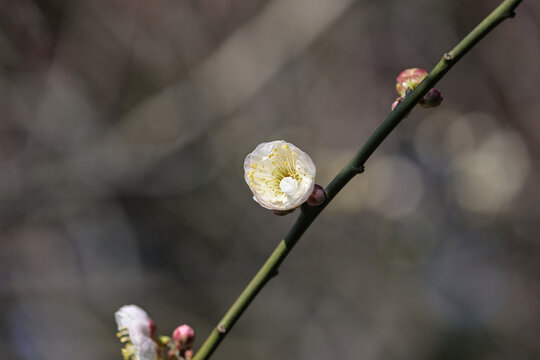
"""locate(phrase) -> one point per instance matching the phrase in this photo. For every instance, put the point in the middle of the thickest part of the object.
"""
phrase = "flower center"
(288, 185)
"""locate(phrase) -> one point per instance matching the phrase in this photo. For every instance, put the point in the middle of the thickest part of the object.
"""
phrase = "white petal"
(147, 350)
(137, 322)
(128, 314)
(272, 162)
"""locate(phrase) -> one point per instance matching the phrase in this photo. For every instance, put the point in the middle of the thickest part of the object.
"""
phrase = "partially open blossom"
(280, 175)
(409, 79)
(137, 331)
(183, 336)
(433, 98)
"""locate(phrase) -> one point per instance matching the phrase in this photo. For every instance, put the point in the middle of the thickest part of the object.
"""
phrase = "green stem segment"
(355, 166)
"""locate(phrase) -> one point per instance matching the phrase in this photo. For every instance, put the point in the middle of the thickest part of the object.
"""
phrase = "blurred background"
(124, 126)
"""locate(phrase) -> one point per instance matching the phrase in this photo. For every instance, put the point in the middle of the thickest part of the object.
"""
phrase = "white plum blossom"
(280, 175)
(135, 330)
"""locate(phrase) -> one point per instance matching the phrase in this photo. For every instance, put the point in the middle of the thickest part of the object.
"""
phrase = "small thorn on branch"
(221, 329)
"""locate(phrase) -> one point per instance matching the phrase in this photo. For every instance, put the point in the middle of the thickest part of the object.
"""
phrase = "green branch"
(355, 166)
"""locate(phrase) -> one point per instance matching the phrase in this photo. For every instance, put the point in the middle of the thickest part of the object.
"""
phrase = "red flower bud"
(433, 98)
(188, 355)
(317, 197)
(409, 80)
(184, 336)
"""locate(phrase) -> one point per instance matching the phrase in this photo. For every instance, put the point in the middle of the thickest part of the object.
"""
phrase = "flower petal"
(134, 326)
(272, 162)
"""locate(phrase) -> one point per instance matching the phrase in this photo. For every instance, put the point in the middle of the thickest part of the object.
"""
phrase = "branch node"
(221, 329)
(358, 169)
(447, 57)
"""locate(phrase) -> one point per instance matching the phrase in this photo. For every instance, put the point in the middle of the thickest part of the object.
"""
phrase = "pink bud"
(183, 336)
(433, 98)
(188, 355)
(409, 79)
(317, 197)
